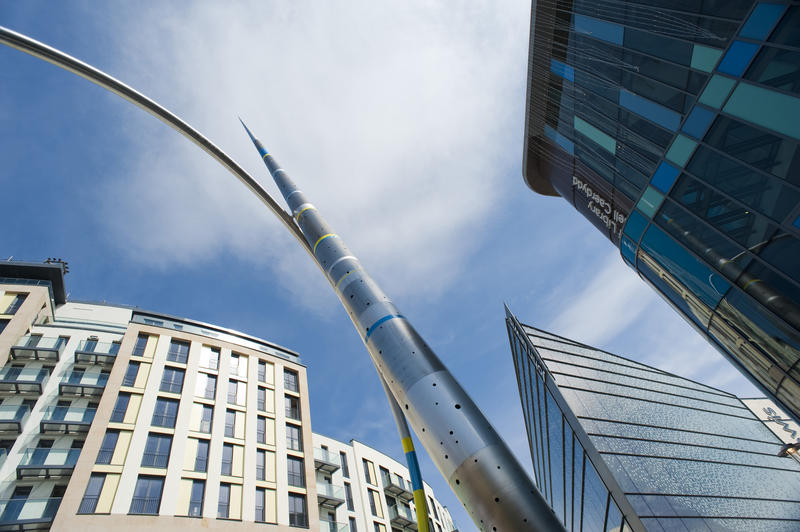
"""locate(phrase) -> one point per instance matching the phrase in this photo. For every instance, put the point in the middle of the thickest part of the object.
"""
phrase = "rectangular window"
(345, 469)
(172, 380)
(297, 476)
(196, 498)
(209, 357)
(386, 477)
(433, 506)
(178, 352)
(224, 506)
(130, 374)
(353, 527)
(230, 423)
(92, 493)
(3, 324)
(206, 386)
(236, 364)
(237, 391)
(107, 447)
(156, 450)
(147, 495)
(294, 439)
(141, 344)
(206, 416)
(348, 495)
(292, 405)
(262, 371)
(201, 460)
(121, 406)
(298, 515)
(17, 302)
(261, 500)
(375, 503)
(261, 464)
(227, 459)
(290, 380)
(369, 472)
(262, 399)
(261, 430)
(165, 413)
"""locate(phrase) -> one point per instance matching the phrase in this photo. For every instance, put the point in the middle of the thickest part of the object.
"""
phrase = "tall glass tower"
(673, 126)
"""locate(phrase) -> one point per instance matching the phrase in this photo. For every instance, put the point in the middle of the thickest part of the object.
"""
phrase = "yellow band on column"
(408, 444)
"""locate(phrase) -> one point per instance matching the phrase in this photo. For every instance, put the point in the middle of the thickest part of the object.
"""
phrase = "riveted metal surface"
(400, 350)
(345, 265)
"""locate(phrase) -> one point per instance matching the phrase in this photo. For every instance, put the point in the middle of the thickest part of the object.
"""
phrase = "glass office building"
(673, 126)
(620, 446)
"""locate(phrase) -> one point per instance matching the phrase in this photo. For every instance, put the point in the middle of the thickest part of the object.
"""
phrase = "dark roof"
(34, 271)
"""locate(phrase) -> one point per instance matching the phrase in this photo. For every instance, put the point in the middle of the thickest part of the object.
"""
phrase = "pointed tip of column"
(249, 133)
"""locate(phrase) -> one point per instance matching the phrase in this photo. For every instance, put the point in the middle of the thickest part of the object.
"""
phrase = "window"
(345, 469)
(262, 371)
(386, 477)
(206, 386)
(297, 510)
(382, 528)
(294, 439)
(196, 498)
(121, 406)
(348, 495)
(141, 344)
(224, 506)
(114, 348)
(297, 476)
(92, 494)
(156, 450)
(261, 430)
(292, 405)
(375, 503)
(172, 380)
(237, 364)
(178, 352)
(209, 357)
(433, 505)
(147, 495)
(261, 460)
(130, 374)
(369, 472)
(13, 307)
(230, 423)
(261, 500)
(206, 416)
(3, 324)
(353, 527)
(107, 447)
(201, 460)
(290, 380)
(262, 399)
(237, 391)
(227, 459)
(165, 413)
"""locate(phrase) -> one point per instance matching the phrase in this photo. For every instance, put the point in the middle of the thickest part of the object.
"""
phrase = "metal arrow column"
(476, 462)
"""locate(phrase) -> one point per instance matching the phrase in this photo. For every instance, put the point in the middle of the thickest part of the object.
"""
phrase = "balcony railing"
(329, 496)
(12, 417)
(67, 419)
(333, 526)
(47, 463)
(94, 352)
(22, 380)
(28, 514)
(402, 517)
(38, 348)
(325, 460)
(398, 490)
(82, 384)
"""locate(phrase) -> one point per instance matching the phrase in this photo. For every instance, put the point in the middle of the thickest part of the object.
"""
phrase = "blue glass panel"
(562, 69)
(559, 139)
(737, 58)
(635, 225)
(628, 249)
(568, 476)
(650, 201)
(698, 121)
(577, 484)
(796, 222)
(776, 67)
(599, 29)
(714, 506)
(595, 496)
(540, 422)
(651, 110)
(766, 108)
(556, 438)
(614, 520)
(665, 176)
(693, 274)
(762, 20)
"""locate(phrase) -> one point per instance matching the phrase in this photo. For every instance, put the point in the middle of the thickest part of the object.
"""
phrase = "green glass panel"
(595, 134)
(650, 201)
(682, 148)
(773, 110)
(716, 91)
(705, 58)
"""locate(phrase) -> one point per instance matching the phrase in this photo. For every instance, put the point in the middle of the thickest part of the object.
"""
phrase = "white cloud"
(394, 120)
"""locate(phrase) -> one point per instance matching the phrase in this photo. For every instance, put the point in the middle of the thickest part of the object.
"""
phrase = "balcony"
(47, 463)
(326, 461)
(66, 420)
(79, 384)
(12, 417)
(397, 490)
(94, 352)
(36, 347)
(333, 526)
(402, 517)
(22, 381)
(329, 496)
(27, 514)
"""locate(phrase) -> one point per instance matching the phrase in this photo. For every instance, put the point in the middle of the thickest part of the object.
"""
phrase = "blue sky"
(402, 122)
